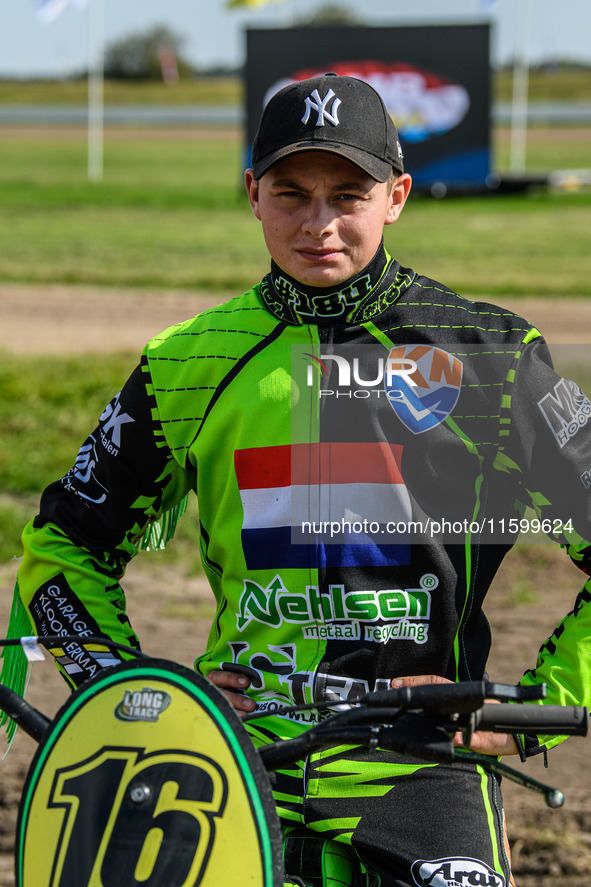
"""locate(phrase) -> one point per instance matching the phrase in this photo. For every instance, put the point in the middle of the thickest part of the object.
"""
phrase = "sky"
(214, 35)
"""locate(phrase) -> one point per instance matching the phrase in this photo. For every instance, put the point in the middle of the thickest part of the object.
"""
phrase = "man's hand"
(484, 743)
(229, 681)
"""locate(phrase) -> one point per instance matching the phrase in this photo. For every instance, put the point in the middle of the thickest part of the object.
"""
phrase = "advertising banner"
(434, 80)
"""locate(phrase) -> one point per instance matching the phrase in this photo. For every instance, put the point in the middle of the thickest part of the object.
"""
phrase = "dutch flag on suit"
(323, 504)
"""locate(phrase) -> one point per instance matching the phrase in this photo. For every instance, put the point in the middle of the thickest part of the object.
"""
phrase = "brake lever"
(515, 692)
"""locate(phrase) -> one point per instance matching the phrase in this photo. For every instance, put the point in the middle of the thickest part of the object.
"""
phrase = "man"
(359, 438)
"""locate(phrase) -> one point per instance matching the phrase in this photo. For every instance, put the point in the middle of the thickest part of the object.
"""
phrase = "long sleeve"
(553, 433)
(90, 525)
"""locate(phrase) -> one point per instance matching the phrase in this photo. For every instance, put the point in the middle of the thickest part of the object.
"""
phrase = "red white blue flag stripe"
(323, 504)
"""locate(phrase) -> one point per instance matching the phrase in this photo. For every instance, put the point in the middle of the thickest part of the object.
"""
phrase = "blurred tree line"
(147, 55)
(158, 54)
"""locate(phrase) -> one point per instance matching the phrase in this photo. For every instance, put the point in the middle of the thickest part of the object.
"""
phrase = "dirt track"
(66, 319)
(56, 318)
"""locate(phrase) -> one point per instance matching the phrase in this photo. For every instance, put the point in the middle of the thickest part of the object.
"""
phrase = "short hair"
(392, 179)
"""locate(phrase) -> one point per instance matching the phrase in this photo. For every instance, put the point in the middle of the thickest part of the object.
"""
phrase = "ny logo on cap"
(315, 103)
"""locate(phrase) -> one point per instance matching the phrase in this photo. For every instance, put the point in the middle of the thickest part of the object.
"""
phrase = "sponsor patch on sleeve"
(57, 611)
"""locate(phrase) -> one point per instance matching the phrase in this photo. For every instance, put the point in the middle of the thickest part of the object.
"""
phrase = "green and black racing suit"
(360, 459)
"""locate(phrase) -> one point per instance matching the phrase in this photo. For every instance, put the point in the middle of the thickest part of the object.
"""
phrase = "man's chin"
(323, 277)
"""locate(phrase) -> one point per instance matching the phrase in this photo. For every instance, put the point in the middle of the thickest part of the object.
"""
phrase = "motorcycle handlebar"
(561, 720)
(32, 721)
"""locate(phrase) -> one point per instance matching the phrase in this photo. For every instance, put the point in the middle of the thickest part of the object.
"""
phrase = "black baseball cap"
(342, 115)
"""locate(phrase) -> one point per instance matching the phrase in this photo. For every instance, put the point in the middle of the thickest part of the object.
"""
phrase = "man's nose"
(319, 218)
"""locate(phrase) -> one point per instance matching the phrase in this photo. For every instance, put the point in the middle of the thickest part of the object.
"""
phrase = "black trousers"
(354, 818)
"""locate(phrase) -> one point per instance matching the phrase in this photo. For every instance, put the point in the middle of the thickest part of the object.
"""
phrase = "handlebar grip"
(22, 713)
(567, 720)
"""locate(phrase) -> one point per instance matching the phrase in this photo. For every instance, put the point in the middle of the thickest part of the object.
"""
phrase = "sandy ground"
(56, 319)
(550, 848)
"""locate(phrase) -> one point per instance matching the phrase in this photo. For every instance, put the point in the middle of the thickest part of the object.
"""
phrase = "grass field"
(550, 83)
(171, 206)
(170, 212)
(199, 91)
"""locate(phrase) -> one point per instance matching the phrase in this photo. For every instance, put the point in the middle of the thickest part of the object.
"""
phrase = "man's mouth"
(318, 254)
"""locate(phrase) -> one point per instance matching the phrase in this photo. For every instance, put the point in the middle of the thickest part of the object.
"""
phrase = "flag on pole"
(234, 4)
(168, 64)
(49, 10)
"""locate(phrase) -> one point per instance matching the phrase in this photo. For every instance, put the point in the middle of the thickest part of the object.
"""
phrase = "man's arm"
(90, 525)
(551, 436)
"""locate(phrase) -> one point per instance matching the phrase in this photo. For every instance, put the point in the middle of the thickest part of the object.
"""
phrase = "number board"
(146, 777)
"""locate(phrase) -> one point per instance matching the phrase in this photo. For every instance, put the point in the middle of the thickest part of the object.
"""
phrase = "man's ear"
(400, 191)
(252, 189)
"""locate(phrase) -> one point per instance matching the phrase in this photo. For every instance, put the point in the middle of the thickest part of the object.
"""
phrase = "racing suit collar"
(291, 301)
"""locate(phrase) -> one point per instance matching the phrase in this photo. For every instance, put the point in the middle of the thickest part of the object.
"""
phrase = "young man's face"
(322, 216)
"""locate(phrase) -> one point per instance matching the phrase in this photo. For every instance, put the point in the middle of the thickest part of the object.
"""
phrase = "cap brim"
(375, 167)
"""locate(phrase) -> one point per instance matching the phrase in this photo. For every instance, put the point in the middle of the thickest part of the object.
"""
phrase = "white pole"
(523, 18)
(96, 27)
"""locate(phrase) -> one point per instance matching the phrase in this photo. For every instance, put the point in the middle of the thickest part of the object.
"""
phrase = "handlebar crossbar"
(443, 699)
(419, 737)
(425, 734)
